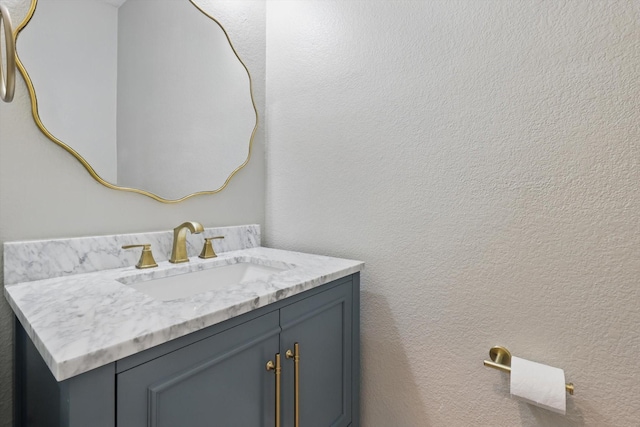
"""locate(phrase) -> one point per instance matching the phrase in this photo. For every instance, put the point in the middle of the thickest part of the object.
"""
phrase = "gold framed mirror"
(151, 97)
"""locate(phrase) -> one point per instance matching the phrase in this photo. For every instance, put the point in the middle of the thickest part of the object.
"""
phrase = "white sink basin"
(187, 283)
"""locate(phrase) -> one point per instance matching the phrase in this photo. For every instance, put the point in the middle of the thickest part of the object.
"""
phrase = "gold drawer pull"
(295, 355)
(276, 368)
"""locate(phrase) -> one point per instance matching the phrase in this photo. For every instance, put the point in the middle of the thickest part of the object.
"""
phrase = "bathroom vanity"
(278, 350)
(253, 337)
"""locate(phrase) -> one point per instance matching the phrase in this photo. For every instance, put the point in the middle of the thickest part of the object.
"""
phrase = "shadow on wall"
(384, 352)
(538, 417)
(533, 416)
(396, 399)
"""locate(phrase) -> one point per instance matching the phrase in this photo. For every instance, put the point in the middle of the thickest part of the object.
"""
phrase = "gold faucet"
(146, 259)
(179, 252)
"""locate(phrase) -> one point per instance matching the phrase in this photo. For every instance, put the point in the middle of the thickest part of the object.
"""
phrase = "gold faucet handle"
(207, 249)
(146, 259)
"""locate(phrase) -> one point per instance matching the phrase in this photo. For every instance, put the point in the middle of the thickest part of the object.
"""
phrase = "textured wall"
(483, 159)
(44, 192)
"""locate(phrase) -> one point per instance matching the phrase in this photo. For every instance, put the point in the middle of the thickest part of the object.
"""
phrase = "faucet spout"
(179, 252)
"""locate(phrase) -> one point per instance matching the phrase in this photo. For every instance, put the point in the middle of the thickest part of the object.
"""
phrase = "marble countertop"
(83, 321)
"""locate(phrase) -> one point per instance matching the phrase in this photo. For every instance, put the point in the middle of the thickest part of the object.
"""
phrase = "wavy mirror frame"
(88, 167)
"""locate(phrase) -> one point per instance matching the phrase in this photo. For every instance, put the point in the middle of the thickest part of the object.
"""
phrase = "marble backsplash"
(42, 259)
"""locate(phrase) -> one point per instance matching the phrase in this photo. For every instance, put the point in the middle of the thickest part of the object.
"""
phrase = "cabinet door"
(220, 381)
(322, 326)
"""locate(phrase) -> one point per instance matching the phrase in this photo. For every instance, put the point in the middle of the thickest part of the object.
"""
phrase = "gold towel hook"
(8, 79)
(501, 360)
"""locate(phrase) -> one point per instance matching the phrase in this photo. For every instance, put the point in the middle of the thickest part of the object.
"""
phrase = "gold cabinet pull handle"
(146, 258)
(8, 82)
(295, 355)
(276, 368)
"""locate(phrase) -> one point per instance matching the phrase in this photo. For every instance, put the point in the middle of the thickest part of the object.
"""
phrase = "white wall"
(46, 193)
(483, 159)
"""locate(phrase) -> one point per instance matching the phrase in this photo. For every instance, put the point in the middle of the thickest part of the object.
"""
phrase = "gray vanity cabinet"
(217, 377)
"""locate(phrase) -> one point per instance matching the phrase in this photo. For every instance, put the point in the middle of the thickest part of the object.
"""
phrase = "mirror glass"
(150, 96)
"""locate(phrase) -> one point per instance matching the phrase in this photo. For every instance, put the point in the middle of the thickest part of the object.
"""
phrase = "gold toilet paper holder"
(501, 360)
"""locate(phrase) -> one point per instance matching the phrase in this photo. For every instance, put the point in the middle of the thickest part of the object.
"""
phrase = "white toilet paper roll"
(538, 384)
